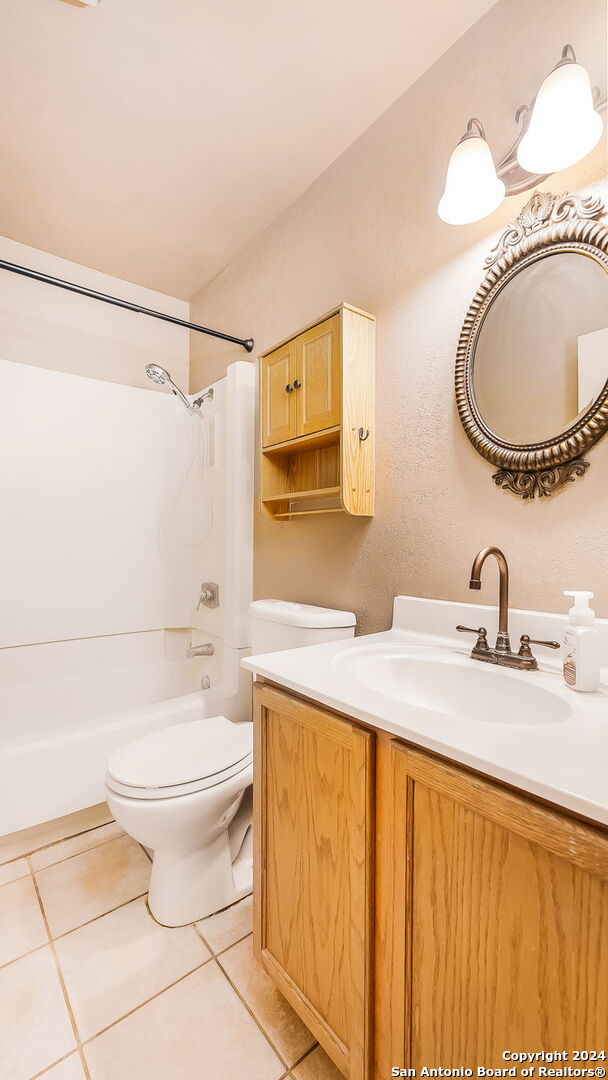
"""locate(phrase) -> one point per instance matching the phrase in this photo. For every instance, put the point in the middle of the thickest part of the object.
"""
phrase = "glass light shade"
(564, 126)
(472, 188)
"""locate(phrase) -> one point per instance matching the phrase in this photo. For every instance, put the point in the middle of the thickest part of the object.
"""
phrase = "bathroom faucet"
(503, 645)
(524, 660)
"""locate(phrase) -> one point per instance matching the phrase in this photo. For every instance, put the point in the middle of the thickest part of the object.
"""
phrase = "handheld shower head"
(159, 375)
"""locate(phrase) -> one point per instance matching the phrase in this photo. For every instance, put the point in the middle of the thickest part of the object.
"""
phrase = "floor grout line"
(222, 952)
(43, 847)
(314, 1047)
(200, 935)
(22, 956)
(64, 991)
(213, 956)
(40, 869)
(59, 1061)
(237, 942)
(18, 858)
(95, 918)
(94, 847)
(136, 1008)
(252, 1014)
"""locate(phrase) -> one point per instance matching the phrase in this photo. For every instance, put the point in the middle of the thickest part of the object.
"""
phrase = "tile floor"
(91, 988)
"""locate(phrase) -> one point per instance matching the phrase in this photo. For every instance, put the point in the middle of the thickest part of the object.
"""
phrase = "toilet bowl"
(185, 793)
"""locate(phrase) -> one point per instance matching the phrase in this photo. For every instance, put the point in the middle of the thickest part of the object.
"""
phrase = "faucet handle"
(209, 595)
(526, 641)
(482, 636)
(200, 650)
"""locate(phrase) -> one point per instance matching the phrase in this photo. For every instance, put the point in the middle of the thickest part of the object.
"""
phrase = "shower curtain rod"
(246, 343)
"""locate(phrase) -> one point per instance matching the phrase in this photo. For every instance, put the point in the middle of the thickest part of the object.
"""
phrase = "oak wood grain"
(319, 371)
(313, 889)
(278, 407)
(358, 411)
(310, 437)
(508, 902)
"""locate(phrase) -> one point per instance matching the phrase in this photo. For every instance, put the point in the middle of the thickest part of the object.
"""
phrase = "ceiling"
(152, 139)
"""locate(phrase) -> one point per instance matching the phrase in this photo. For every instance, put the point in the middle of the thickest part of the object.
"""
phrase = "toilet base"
(189, 885)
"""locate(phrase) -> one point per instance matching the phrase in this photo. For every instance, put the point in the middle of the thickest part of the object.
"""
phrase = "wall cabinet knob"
(289, 388)
(297, 384)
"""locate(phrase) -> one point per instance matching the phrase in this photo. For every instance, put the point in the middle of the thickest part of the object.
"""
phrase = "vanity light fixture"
(472, 188)
(564, 125)
(559, 128)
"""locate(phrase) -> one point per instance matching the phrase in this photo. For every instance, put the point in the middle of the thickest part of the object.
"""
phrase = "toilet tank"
(278, 625)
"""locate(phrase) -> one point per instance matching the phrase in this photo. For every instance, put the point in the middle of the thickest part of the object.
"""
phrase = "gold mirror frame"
(548, 224)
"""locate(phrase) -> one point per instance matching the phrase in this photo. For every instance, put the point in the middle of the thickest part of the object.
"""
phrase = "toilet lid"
(182, 754)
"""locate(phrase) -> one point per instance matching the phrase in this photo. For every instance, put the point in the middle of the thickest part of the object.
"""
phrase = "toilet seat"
(181, 759)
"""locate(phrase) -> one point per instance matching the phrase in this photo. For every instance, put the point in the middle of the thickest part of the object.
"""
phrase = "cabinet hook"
(363, 434)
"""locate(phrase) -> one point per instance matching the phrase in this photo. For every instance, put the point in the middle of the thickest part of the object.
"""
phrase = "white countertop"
(564, 762)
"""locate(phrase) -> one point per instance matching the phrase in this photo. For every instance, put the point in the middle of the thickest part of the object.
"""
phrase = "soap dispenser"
(581, 644)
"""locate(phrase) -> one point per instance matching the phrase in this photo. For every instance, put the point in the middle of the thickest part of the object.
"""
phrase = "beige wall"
(367, 231)
(53, 328)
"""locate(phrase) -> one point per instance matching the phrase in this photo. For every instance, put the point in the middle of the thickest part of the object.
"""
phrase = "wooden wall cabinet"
(314, 869)
(277, 374)
(488, 909)
(316, 392)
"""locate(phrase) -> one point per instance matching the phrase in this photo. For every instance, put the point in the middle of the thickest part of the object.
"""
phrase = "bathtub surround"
(368, 230)
(114, 459)
(97, 621)
(62, 668)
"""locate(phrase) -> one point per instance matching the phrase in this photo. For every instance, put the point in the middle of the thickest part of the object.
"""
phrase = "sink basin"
(445, 682)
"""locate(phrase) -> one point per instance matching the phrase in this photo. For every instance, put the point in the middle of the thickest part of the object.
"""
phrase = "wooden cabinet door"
(313, 869)
(278, 397)
(493, 921)
(319, 372)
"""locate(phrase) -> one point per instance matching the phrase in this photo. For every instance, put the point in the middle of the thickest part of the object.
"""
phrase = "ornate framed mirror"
(532, 361)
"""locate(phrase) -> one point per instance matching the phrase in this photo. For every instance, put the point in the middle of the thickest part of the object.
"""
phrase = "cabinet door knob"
(289, 388)
(297, 384)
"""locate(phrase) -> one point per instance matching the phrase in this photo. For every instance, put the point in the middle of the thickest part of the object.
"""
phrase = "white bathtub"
(56, 734)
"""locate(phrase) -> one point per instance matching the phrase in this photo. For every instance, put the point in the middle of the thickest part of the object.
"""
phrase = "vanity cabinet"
(492, 920)
(487, 908)
(313, 868)
(317, 418)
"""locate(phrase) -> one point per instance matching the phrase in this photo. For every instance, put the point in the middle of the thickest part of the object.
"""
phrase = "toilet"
(185, 791)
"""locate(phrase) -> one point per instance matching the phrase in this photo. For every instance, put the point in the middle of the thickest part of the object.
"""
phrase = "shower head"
(159, 375)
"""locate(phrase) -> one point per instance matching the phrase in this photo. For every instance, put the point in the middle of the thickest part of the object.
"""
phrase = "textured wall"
(367, 231)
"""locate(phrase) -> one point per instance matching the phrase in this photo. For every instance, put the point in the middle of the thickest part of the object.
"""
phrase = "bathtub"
(57, 733)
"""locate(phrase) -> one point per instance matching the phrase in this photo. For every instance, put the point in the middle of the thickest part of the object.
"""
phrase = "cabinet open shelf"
(294, 496)
(310, 463)
(303, 481)
(300, 513)
(330, 437)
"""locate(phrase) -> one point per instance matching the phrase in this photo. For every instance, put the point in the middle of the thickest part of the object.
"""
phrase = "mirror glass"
(541, 357)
